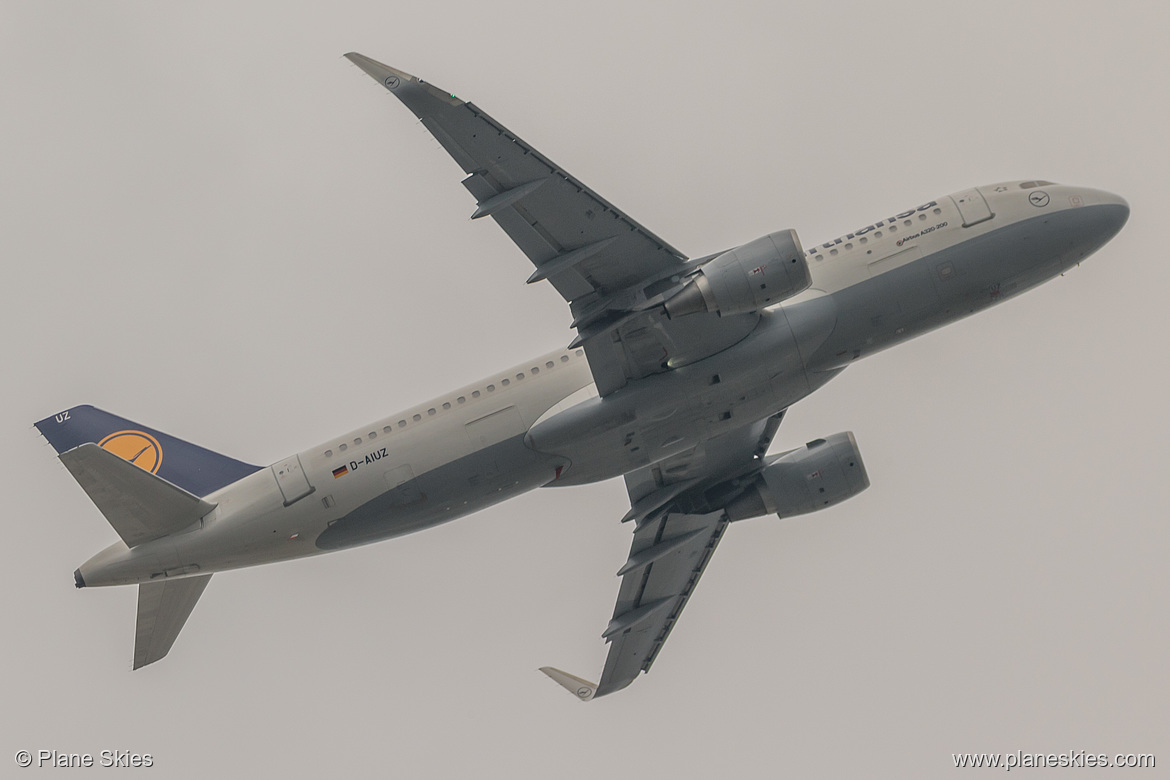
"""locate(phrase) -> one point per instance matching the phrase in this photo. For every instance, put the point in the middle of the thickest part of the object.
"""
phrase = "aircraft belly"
(665, 414)
(467, 484)
(943, 286)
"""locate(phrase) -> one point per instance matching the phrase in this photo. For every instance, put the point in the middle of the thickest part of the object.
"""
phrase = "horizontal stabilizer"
(163, 608)
(139, 505)
(582, 689)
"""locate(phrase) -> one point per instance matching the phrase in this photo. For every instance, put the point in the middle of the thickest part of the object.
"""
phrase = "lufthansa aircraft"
(677, 381)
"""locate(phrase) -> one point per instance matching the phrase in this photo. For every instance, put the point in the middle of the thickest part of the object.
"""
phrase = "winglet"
(383, 74)
(419, 96)
(582, 689)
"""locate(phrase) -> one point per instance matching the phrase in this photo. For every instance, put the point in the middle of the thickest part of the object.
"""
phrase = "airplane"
(678, 380)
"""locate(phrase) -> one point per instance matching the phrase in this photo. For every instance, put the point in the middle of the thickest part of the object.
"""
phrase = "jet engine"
(819, 474)
(747, 278)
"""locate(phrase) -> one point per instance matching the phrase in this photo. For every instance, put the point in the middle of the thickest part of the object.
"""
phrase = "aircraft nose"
(1111, 211)
(1099, 216)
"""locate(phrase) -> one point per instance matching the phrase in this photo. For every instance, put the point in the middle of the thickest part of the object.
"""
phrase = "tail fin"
(196, 470)
(163, 608)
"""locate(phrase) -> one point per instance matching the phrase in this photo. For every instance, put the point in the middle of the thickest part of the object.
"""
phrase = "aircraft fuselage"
(541, 423)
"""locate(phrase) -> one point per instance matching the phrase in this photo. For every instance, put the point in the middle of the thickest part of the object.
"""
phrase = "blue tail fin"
(195, 469)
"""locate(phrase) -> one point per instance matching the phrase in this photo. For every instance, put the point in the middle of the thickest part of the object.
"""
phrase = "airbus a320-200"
(677, 380)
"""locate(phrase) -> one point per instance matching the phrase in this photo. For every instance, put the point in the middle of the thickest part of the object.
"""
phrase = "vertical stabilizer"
(195, 469)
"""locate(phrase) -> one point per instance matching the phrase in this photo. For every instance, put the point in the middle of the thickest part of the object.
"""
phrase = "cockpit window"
(1027, 185)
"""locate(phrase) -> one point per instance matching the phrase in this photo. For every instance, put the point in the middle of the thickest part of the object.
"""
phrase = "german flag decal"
(340, 472)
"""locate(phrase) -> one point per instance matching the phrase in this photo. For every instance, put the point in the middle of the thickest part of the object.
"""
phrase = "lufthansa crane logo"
(139, 448)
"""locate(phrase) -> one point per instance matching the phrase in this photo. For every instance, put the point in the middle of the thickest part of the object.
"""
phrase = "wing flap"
(139, 505)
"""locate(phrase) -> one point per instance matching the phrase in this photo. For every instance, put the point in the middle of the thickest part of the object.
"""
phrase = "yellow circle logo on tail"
(139, 448)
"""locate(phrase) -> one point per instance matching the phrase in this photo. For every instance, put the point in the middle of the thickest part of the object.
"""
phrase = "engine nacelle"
(819, 474)
(757, 274)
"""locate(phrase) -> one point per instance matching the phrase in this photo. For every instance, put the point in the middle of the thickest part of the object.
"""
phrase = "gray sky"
(213, 224)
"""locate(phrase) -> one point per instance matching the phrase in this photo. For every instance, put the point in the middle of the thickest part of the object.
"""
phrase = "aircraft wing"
(614, 273)
(678, 509)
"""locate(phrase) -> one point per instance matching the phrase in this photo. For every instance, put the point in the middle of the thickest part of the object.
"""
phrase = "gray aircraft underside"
(678, 379)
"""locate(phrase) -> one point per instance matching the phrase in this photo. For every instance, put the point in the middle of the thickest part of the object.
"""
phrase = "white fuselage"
(541, 422)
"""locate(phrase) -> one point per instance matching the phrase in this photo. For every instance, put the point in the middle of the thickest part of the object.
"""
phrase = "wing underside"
(576, 239)
(679, 520)
(614, 272)
(667, 557)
